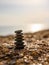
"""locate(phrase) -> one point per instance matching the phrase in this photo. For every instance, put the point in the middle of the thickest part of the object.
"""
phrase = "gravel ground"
(36, 51)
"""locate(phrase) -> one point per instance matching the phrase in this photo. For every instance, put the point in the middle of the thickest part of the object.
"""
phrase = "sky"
(20, 12)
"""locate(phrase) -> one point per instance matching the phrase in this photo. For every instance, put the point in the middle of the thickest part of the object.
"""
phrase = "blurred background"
(28, 15)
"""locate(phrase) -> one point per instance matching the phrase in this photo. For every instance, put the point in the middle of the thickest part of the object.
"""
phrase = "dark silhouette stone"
(19, 40)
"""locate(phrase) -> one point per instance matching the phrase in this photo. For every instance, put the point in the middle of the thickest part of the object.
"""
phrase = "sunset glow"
(36, 27)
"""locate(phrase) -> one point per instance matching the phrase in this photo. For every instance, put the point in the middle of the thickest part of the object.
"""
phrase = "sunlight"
(36, 27)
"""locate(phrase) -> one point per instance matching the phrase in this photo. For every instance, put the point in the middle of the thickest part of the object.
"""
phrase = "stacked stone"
(19, 40)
